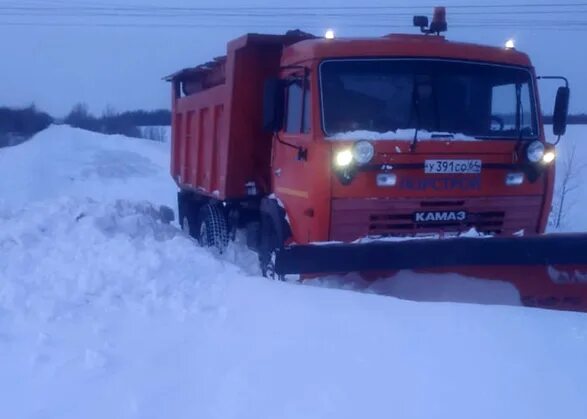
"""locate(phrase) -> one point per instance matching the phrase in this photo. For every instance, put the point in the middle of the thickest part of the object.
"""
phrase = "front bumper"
(564, 251)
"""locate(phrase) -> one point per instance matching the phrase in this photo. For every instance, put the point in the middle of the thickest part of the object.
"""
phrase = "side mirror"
(561, 111)
(273, 105)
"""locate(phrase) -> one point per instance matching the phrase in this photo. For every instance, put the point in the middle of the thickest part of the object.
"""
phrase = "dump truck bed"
(218, 145)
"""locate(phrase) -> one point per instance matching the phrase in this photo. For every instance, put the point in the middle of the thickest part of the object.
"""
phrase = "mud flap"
(548, 271)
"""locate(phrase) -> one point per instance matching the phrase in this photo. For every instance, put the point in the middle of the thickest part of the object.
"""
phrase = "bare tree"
(570, 170)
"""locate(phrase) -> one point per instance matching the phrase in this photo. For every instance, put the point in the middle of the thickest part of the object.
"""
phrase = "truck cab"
(408, 135)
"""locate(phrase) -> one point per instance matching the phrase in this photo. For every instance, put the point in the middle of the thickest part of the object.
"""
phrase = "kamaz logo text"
(439, 216)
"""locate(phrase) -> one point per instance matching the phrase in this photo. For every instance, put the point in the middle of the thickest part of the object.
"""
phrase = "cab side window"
(297, 119)
(508, 111)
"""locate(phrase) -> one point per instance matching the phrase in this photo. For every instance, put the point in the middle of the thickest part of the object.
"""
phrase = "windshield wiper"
(414, 141)
(416, 102)
(519, 114)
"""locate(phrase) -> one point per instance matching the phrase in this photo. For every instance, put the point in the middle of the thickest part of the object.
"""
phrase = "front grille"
(436, 204)
(389, 224)
(355, 218)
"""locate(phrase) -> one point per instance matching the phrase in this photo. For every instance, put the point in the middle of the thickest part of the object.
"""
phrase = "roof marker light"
(510, 44)
(329, 34)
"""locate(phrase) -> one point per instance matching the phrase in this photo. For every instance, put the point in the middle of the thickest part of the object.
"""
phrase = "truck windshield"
(434, 96)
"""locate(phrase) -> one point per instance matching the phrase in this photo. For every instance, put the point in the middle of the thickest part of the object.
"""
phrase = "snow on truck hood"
(471, 233)
(400, 134)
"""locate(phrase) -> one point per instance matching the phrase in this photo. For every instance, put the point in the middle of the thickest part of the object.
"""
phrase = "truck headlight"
(343, 158)
(363, 152)
(535, 151)
(548, 157)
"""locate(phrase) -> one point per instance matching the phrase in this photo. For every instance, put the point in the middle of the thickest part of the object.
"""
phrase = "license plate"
(452, 166)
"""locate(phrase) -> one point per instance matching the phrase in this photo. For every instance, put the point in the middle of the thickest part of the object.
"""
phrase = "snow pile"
(66, 162)
(107, 311)
(67, 254)
(472, 233)
(408, 285)
(401, 134)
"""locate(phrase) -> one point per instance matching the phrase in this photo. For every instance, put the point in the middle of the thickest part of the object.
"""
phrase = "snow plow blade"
(549, 271)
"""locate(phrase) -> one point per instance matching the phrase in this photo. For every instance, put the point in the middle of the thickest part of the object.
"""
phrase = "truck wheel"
(189, 226)
(213, 228)
(187, 215)
(268, 249)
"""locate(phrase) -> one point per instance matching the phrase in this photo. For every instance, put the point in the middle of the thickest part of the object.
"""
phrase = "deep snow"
(106, 311)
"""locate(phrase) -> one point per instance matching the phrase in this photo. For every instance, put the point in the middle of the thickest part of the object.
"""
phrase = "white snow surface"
(106, 311)
(401, 134)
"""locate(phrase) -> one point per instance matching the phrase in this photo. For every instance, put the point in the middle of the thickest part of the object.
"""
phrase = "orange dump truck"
(376, 154)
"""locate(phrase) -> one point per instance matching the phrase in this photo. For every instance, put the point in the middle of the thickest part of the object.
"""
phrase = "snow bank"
(65, 255)
(66, 162)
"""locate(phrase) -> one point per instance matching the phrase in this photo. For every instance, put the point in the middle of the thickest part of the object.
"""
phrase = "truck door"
(291, 177)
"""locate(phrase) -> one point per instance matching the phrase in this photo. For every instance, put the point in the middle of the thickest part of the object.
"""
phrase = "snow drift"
(66, 162)
(108, 311)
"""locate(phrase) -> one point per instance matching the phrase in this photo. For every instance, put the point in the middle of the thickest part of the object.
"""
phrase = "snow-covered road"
(106, 311)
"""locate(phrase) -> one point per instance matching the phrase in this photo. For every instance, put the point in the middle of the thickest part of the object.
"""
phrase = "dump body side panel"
(218, 142)
(200, 141)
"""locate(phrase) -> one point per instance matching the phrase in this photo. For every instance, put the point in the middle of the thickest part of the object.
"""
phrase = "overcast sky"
(55, 66)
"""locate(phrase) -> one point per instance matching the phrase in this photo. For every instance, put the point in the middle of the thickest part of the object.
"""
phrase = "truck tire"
(268, 245)
(213, 228)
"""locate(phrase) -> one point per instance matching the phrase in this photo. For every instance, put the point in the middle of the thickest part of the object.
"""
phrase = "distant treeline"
(577, 119)
(25, 121)
(17, 125)
(112, 122)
